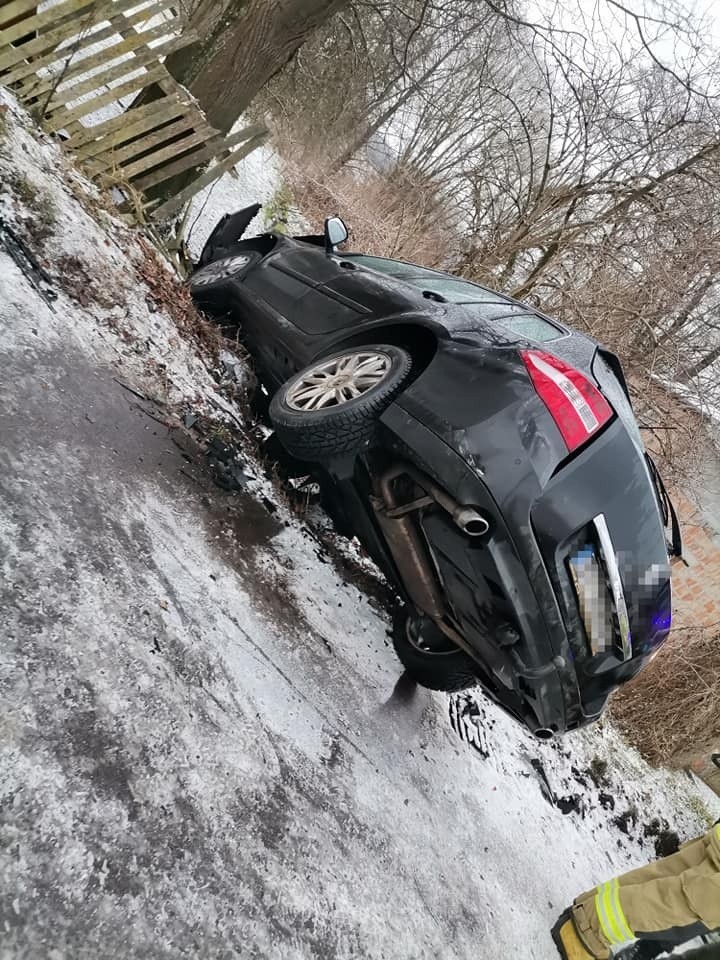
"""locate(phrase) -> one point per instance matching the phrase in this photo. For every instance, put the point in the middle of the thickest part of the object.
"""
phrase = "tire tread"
(341, 430)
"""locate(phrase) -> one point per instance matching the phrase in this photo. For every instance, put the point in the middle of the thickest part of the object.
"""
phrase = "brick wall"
(696, 588)
(704, 768)
(696, 594)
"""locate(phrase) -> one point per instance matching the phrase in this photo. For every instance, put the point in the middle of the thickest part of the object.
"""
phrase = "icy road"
(205, 748)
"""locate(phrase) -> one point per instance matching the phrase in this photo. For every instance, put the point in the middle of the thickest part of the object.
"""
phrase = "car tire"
(449, 669)
(212, 281)
(347, 422)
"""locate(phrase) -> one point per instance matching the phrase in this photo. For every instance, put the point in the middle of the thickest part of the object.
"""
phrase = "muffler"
(412, 559)
(406, 542)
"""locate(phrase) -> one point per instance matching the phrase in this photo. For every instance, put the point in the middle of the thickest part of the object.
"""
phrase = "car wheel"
(332, 406)
(213, 278)
(431, 658)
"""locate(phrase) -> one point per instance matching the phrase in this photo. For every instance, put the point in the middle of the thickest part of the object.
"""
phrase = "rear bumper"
(625, 499)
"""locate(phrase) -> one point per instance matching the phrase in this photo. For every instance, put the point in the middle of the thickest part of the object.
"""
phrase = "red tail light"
(576, 405)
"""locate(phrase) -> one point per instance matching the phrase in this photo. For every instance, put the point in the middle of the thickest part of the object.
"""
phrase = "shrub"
(671, 711)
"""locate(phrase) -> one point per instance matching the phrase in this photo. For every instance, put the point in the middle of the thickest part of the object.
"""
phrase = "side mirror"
(335, 233)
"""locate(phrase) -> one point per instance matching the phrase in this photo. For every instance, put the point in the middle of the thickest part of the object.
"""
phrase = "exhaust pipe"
(468, 519)
(544, 733)
(471, 522)
(407, 544)
(412, 559)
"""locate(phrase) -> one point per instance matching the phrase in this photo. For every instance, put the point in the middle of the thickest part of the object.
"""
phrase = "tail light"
(576, 405)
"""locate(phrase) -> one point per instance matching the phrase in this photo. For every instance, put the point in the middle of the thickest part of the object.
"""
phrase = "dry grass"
(671, 712)
(167, 293)
(677, 436)
(399, 214)
(42, 209)
(82, 282)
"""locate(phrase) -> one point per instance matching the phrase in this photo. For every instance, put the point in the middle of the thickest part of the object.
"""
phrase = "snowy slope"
(206, 751)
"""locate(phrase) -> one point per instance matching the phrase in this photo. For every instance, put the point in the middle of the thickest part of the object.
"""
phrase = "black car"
(485, 455)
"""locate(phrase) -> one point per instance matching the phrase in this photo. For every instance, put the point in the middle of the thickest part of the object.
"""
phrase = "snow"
(205, 746)
(255, 179)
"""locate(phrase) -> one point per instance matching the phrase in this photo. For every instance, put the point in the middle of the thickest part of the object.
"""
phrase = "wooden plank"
(247, 133)
(63, 118)
(64, 13)
(115, 157)
(49, 41)
(15, 9)
(88, 134)
(172, 169)
(69, 20)
(48, 18)
(158, 157)
(198, 157)
(35, 86)
(213, 149)
(151, 55)
(136, 123)
(170, 207)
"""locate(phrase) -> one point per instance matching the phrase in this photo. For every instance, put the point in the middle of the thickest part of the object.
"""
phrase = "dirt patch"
(83, 286)
(627, 820)
(597, 771)
(666, 840)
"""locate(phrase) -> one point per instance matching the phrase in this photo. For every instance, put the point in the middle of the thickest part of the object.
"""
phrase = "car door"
(378, 294)
(297, 284)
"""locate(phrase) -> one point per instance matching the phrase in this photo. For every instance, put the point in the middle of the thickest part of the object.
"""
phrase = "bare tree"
(245, 43)
(574, 157)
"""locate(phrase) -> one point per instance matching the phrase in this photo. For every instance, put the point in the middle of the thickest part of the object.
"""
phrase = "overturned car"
(484, 454)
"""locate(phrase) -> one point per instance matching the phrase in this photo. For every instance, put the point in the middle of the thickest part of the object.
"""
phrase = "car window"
(516, 319)
(485, 304)
(456, 291)
(452, 289)
(532, 327)
(394, 268)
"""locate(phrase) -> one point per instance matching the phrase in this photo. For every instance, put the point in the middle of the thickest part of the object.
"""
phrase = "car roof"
(486, 304)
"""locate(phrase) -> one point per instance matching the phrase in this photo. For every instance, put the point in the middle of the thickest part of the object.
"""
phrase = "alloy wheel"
(219, 270)
(331, 383)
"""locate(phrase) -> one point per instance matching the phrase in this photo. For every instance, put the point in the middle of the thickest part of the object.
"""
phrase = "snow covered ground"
(207, 749)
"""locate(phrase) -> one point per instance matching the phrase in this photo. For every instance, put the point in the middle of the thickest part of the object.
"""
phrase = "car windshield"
(482, 303)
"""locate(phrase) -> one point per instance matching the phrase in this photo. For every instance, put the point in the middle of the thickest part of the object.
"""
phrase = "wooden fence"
(77, 57)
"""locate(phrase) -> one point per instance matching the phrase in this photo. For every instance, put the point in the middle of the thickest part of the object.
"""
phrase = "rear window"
(531, 327)
(455, 291)
(520, 323)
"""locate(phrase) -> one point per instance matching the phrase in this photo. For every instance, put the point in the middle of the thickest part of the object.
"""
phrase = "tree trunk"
(706, 361)
(246, 43)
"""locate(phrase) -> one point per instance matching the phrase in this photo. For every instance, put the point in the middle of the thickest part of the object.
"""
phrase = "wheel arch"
(419, 340)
